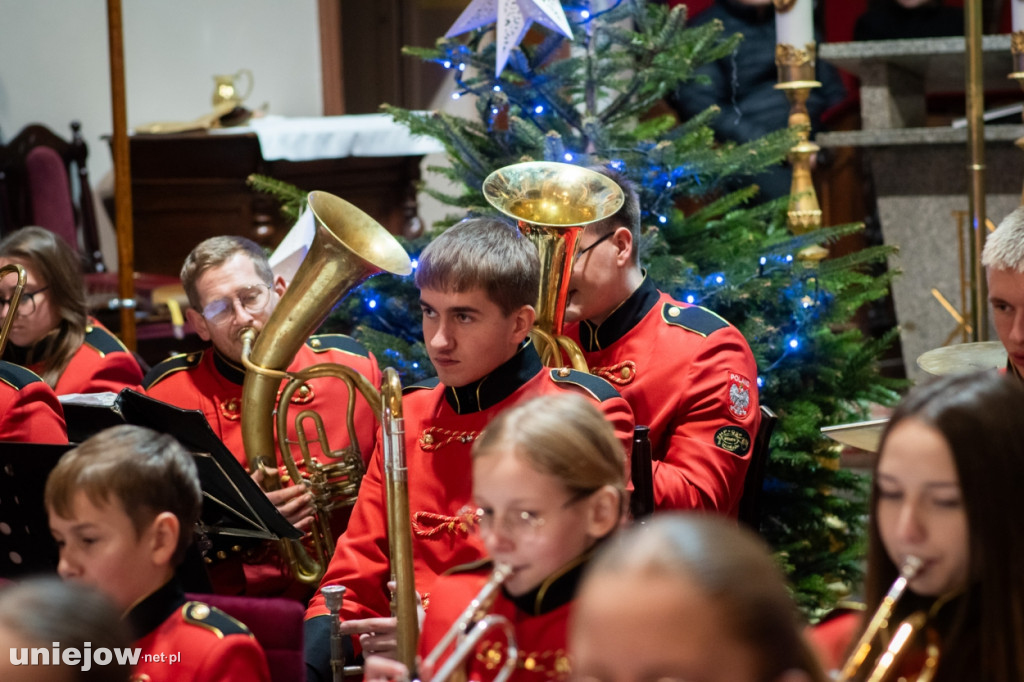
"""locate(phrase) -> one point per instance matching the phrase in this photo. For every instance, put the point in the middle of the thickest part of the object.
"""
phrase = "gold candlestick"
(796, 78)
(1017, 52)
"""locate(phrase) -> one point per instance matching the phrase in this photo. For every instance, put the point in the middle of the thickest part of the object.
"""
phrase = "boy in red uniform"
(478, 282)
(29, 409)
(687, 373)
(122, 506)
(231, 287)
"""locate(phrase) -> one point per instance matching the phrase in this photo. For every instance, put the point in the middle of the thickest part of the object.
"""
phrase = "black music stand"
(27, 546)
(236, 511)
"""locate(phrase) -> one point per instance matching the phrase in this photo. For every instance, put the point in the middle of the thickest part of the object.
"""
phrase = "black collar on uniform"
(228, 369)
(496, 386)
(148, 614)
(594, 337)
(557, 590)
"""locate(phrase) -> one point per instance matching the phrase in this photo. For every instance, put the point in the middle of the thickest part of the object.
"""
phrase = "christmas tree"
(594, 100)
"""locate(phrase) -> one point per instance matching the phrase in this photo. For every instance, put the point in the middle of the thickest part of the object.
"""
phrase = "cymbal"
(963, 357)
(862, 435)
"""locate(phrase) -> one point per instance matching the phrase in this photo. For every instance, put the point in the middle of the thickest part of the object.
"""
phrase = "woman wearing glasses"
(549, 486)
(53, 334)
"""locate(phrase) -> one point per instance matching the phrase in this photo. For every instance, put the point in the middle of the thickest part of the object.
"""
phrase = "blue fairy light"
(447, 63)
(719, 279)
(763, 260)
(585, 14)
(496, 88)
(760, 382)
(462, 66)
(414, 262)
(793, 343)
(456, 95)
(415, 365)
(568, 156)
(690, 299)
(539, 109)
(789, 258)
(662, 219)
(371, 303)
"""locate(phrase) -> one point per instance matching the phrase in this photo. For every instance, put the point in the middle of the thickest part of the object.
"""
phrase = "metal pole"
(976, 150)
(122, 177)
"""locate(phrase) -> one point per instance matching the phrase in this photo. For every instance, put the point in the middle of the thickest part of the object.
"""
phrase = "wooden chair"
(37, 187)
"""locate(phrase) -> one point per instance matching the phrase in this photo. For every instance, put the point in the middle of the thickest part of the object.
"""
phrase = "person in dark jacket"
(743, 85)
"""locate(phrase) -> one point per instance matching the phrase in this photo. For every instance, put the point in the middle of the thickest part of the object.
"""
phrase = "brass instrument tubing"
(880, 619)
(15, 300)
(472, 638)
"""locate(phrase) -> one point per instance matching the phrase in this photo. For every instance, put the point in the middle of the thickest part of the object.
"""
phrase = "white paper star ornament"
(512, 19)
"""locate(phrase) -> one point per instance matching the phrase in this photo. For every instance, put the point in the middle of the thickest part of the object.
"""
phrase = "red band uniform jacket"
(102, 363)
(441, 424)
(209, 382)
(691, 377)
(182, 640)
(29, 409)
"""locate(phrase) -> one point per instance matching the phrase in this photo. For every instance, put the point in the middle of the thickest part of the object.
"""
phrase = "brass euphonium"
(552, 203)
(347, 248)
(12, 310)
(883, 666)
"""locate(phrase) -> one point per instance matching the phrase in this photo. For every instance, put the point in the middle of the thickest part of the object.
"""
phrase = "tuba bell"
(552, 203)
(348, 247)
(5, 330)
(870, 662)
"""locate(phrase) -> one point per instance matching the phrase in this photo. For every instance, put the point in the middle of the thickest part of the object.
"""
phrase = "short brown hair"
(147, 472)
(216, 251)
(485, 253)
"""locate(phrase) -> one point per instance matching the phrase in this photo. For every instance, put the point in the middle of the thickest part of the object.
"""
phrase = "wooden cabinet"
(190, 186)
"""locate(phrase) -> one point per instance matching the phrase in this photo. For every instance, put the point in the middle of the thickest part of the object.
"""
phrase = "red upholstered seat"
(277, 626)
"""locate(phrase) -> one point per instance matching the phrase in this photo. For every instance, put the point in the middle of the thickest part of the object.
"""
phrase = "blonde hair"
(1004, 248)
(147, 472)
(563, 436)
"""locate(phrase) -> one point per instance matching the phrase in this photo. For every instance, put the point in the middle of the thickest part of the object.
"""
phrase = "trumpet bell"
(552, 194)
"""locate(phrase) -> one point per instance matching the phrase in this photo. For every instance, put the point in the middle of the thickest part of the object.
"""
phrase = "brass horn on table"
(347, 248)
(552, 203)
(12, 310)
(875, 659)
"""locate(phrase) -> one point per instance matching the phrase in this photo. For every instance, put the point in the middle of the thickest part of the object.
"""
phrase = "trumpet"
(886, 662)
(5, 330)
(469, 628)
(552, 203)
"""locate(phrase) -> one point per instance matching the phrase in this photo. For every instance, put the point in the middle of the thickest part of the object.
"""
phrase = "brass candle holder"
(1017, 52)
(796, 79)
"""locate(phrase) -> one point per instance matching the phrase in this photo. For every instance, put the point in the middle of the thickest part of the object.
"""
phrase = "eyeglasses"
(27, 304)
(579, 254)
(518, 523)
(253, 298)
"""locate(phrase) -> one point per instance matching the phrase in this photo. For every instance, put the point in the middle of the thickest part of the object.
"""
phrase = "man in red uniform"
(29, 409)
(231, 287)
(477, 281)
(122, 507)
(687, 373)
(1003, 258)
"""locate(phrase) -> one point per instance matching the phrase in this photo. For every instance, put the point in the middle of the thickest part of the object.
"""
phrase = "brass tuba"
(348, 247)
(5, 330)
(552, 203)
(883, 665)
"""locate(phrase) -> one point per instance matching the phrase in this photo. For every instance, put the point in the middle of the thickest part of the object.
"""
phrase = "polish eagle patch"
(739, 395)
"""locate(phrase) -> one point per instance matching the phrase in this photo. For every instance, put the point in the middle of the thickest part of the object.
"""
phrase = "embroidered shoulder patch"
(322, 343)
(739, 395)
(734, 439)
(599, 388)
(213, 619)
(692, 318)
(103, 341)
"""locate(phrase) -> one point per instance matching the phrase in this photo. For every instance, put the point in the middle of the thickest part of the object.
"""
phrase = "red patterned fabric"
(51, 193)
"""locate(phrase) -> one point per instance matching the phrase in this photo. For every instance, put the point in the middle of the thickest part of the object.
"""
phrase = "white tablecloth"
(333, 137)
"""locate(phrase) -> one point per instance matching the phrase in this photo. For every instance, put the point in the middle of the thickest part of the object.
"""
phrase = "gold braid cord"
(434, 438)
